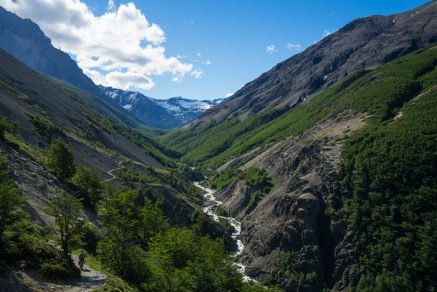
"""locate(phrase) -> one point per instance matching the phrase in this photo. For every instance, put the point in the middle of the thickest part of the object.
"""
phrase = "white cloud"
(120, 48)
(197, 73)
(207, 62)
(230, 94)
(271, 49)
(111, 5)
(294, 47)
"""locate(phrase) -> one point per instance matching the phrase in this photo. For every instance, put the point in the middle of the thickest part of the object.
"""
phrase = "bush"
(126, 262)
(90, 238)
(64, 269)
(116, 284)
(257, 178)
(60, 159)
(89, 185)
(23, 244)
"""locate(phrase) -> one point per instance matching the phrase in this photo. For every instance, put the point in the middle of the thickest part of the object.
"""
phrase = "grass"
(35, 153)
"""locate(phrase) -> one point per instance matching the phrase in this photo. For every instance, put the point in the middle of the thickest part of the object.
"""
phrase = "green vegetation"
(134, 176)
(3, 126)
(60, 159)
(44, 127)
(257, 178)
(66, 210)
(389, 195)
(180, 260)
(23, 241)
(141, 248)
(388, 171)
(385, 90)
(10, 202)
(89, 185)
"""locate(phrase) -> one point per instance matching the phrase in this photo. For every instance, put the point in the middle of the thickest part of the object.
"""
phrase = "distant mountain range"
(160, 113)
(24, 40)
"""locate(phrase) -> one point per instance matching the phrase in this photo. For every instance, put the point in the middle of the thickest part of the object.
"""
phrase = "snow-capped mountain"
(160, 113)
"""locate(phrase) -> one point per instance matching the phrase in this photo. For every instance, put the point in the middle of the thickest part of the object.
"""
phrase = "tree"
(66, 210)
(60, 159)
(131, 219)
(88, 184)
(10, 201)
(130, 222)
(181, 261)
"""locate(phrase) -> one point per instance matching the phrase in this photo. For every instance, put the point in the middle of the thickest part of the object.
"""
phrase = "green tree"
(10, 201)
(131, 219)
(66, 210)
(60, 159)
(89, 185)
(181, 261)
(130, 222)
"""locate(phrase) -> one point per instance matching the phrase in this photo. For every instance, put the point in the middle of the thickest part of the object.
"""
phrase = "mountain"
(24, 40)
(329, 160)
(131, 176)
(160, 113)
(43, 108)
(186, 110)
(364, 43)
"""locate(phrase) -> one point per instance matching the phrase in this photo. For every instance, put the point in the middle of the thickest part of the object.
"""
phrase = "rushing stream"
(210, 208)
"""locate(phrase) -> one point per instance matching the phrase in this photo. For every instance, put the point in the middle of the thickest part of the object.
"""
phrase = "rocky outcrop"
(290, 238)
(363, 43)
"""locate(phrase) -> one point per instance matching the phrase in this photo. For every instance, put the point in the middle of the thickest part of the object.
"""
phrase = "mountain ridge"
(168, 113)
(363, 43)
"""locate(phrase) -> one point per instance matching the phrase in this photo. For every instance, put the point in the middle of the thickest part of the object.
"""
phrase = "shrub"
(60, 159)
(60, 269)
(89, 185)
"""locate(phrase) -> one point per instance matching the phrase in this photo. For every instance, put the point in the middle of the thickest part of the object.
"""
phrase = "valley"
(318, 175)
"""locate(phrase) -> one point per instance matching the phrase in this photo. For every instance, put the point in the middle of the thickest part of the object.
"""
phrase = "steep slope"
(246, 120)
(40, 109)
(160, 113)
(348, 168)
(24, 40)
(363, 43)
(50, 108)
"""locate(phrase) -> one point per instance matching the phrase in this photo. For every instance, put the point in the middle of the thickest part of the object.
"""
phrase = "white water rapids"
(210, 208)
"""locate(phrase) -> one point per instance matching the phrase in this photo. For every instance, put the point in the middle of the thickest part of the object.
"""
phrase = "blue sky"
(234, 35)
(201, 49)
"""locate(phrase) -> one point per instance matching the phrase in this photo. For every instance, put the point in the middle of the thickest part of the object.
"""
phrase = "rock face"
(289, 238)
(363, 43)
(24, 40)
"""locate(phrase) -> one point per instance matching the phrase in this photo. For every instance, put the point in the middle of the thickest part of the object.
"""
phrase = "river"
(210, 208)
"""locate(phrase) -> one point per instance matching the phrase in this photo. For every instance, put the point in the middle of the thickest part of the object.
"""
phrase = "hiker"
(82, 256)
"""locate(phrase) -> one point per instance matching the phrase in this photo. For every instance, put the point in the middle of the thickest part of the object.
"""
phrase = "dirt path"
(90, 279)
(110, 172)
(31, 280)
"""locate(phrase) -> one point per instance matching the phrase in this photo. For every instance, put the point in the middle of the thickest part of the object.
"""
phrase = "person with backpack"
(82, 257)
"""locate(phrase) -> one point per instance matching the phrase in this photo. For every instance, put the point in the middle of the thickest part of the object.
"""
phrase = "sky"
(201, 49)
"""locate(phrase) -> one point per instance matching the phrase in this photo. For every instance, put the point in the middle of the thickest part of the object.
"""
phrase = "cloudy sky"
(192, 48)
